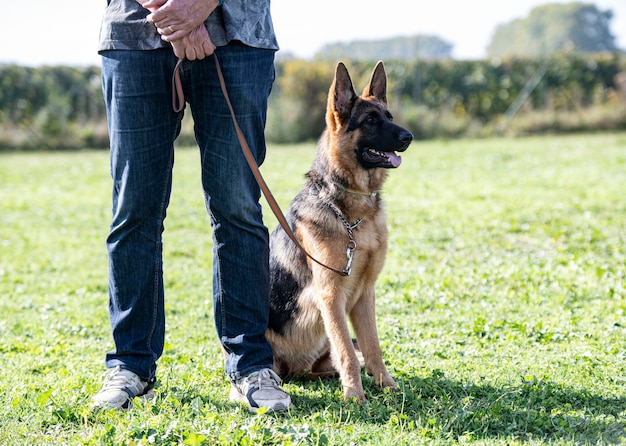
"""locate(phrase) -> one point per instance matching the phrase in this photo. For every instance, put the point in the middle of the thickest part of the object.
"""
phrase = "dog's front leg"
(363, 318)
(342, 350)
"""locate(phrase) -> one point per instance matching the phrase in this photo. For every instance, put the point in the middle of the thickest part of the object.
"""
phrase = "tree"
(555, 27)
(403, 47)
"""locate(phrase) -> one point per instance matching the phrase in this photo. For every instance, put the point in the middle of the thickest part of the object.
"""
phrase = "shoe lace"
(119, 378)
(265, 378)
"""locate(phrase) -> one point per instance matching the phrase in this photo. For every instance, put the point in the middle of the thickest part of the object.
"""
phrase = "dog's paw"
(389, 384)
(386, 382)
(350, 393)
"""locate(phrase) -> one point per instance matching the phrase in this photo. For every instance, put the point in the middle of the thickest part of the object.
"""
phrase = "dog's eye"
(371, 119)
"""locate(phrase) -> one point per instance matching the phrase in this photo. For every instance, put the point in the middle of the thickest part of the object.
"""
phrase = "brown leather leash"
(178, 103)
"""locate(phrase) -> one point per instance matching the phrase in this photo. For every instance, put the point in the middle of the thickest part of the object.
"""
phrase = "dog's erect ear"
(341, 96)
(377, 86)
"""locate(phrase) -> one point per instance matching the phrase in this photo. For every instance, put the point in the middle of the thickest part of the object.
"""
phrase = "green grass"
(501, 307)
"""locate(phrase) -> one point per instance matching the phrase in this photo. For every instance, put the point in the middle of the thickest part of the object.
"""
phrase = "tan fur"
(327, 300)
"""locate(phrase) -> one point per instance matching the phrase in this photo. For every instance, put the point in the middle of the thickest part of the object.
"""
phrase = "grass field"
(501, 307)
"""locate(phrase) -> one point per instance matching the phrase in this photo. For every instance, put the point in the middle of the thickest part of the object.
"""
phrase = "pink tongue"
(394, 159)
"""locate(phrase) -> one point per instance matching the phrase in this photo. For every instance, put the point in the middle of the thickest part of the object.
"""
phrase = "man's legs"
(241, 251)
(141, 119)
(240, 239)
(142, 129)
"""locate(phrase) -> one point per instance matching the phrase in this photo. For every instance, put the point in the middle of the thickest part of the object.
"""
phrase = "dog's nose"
(406, 137)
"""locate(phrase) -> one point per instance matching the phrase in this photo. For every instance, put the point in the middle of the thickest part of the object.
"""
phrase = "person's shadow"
(536, 409)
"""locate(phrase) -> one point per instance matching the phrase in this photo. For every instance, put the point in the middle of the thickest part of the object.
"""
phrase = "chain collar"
(351, 245)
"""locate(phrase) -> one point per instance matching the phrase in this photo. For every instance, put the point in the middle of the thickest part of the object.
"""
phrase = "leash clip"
(350, 248)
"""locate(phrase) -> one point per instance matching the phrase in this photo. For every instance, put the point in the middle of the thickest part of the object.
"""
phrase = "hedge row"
(62, 107)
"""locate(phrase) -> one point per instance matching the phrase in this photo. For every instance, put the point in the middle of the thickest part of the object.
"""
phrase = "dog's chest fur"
(297, 303)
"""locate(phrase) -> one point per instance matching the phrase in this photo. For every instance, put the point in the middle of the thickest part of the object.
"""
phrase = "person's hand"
(195, 45)
(176, 19)
(151, 5)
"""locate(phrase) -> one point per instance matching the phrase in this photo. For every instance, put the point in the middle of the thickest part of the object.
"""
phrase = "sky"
(65, 32)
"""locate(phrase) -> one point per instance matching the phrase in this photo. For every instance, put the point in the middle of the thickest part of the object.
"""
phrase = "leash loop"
(178, 94)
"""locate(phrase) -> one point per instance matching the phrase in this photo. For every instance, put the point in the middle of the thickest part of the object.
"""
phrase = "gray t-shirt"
(124, 26)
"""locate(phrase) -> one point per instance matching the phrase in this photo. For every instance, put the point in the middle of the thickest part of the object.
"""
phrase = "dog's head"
(364, 122)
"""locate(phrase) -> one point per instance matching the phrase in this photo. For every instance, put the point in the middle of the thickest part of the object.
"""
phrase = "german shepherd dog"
(338, 218)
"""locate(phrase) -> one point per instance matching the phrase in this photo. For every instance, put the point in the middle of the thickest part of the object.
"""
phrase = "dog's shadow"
(445, 408)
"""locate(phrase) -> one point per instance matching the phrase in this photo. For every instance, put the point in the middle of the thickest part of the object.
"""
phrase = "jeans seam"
(157, 274)
(222, 324)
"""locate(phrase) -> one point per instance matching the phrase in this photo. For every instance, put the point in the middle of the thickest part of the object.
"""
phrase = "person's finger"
(190, 52)
(166, 31)
(152, 5)
(183, 13)
(169, 36)
(208, 47)
(151, 17)
(179, 49)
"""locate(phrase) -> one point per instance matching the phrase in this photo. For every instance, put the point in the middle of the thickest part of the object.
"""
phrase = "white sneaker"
(260, 389)
(120, 388)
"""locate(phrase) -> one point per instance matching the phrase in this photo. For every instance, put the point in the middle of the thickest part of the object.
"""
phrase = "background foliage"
(51, 108)
(62, 107)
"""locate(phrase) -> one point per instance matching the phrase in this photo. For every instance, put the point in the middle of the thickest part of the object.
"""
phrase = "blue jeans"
(142, 129)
